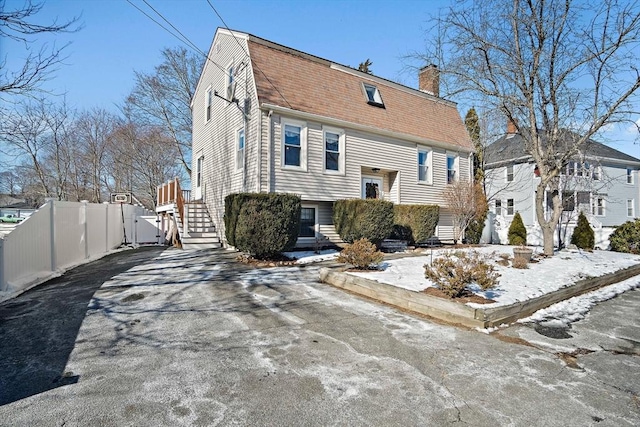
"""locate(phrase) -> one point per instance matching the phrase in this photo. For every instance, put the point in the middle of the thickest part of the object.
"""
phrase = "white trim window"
(199, 165)
(598, 208)
(240, 143)
(308, 222)
(452, 168)
(208, 104)
(230, 81)
(334, 150)
(509, 206)
(294, 144)
(373, 95)
(509, 173)
(596, 173)
(424, 166)
(497, 209)
(629, 176)
(630, 208)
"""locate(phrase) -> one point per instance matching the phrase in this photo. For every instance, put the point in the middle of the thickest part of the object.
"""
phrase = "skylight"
(373, 95)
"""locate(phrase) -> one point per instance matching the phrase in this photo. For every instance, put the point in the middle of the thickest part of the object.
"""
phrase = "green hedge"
(415, 223)
(626, 237)
(261, 224)
(355, 219)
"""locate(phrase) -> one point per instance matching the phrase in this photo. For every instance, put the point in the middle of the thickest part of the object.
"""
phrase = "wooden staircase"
(200, 231)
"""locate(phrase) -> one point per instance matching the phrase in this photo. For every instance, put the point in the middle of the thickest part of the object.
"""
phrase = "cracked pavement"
(168, 337)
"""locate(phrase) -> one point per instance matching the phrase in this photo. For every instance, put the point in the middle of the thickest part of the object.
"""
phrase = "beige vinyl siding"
(216, 139)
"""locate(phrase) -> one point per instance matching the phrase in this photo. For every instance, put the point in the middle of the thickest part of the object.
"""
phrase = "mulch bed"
(278, 261)
(469, 297)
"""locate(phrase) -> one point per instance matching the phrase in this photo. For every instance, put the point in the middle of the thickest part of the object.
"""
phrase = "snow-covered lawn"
(550, 274)
(307, 257)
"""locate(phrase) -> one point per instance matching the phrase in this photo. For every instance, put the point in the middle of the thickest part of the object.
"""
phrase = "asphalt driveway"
(153, 337)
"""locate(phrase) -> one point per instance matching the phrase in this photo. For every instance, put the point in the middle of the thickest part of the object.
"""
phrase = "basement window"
(373, 95)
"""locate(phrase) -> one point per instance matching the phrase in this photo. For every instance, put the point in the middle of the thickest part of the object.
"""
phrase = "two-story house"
(269, 118)
(600, 181)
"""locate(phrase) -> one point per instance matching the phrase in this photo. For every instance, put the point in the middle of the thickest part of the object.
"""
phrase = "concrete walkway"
(171, 338)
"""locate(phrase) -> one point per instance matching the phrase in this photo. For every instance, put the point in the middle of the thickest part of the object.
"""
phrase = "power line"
(184, 39)
(247, 54)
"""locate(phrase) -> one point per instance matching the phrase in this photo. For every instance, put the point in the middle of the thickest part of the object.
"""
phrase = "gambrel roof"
(297, 81)
(510, 148)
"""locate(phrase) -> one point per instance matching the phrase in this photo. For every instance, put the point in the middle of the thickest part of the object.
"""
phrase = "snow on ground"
(306, 257)
(561, 270)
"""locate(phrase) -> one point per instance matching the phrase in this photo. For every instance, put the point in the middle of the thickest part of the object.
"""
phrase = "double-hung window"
(629, 176)
(208, 100)
(630, 209)
(424, 166)
(510, 173)
(498, 207)
(509, 206)
(240, 149)
(452, 168)
(294, 144)
(598, 206)
(333, 150)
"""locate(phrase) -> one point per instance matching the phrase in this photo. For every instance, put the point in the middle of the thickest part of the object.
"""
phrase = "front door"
(371, 187)
(198, 188)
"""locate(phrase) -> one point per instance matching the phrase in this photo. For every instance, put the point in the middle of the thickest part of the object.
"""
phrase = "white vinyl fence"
(61, 235)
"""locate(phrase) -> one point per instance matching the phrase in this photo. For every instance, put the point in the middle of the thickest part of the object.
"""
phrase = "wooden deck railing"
(171, 193)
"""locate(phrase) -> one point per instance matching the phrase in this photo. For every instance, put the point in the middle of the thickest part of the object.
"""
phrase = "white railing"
(60, 235)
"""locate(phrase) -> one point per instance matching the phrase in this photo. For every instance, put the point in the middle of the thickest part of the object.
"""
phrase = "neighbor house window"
(510, 173)
(568, 201)
(630, 210)
(208, 103)
(629, 176)
(307, 222)
(595, 173)
(452, 168)
(230, 82)
(571, 168)
(498, 207)
(293, 145)
(598, 206)
(509, 206)
(333, 150)
(424, 166)
(373, 95)
(240, 149)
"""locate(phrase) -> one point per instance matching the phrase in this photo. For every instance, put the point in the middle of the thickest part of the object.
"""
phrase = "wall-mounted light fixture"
(375, 170)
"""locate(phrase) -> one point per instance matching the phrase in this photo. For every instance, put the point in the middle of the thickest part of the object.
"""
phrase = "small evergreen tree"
(365, 66)
(517, 231)
(583, 235)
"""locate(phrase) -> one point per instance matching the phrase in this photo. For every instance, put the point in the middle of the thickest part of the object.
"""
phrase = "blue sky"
(118, 39)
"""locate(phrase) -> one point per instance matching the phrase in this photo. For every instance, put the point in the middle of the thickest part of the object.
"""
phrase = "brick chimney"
(429, 80)
(511, 127)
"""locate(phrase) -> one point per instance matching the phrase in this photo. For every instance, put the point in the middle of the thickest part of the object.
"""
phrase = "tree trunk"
(548, 226)
(547, 238)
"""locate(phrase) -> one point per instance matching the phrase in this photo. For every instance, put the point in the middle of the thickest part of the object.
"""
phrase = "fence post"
(86, 229)
(106, 228)
(52, 234)
(2, 283)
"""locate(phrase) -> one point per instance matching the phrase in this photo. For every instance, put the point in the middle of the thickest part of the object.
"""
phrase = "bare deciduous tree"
(16, 25)
(163, 98)
(466, 202)
(548, 66)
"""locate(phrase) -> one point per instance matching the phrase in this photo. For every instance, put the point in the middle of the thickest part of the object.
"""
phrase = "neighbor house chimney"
(429, 80)
(511, 127)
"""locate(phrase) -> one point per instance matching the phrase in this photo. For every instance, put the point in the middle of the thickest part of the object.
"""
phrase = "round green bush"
(626, 237)
(517, 231)
(583, 235)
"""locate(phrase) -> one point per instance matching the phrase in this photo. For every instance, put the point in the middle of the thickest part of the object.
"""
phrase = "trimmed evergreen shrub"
(232, 205)
(266, 223)
(626, 237)
(363, 218)
(415, 223)
(362, 254)
(583, 235)
(474, 231)
(517, 231)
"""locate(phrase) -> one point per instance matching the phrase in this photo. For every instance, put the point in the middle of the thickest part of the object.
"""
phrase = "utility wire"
(247, 54)
(184, 39)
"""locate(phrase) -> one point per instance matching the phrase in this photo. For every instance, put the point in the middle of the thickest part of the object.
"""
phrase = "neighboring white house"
(600, 181)
(268, 118)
